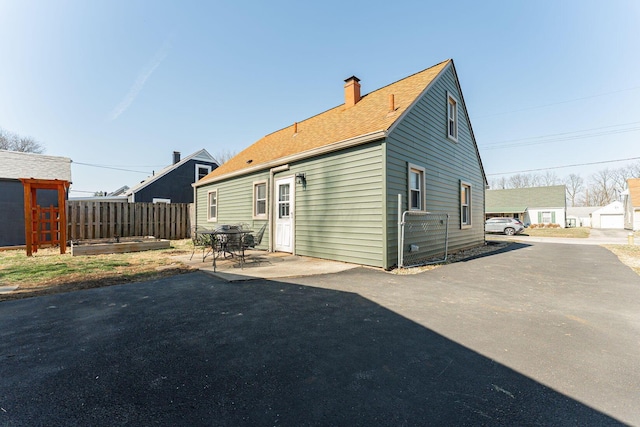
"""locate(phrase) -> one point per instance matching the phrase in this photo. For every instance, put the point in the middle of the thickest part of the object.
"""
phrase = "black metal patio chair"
(201, 241)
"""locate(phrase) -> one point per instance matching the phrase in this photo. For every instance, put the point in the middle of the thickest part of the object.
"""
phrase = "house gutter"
(336, 146)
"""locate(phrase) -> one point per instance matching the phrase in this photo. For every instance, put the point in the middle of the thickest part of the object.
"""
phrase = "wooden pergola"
(44, 225)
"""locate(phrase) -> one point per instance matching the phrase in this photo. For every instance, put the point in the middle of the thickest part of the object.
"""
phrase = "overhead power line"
(556, 103)
(110, 167)
(564, 136)
(565, 166)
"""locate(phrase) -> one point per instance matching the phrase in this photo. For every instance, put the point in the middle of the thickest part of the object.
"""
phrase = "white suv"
(508, 226)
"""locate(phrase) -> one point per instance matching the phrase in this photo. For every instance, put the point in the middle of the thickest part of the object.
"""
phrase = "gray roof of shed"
(520, 199)
(16, 165)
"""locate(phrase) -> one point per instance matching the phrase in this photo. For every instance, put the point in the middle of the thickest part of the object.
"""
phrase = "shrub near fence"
(100, 220)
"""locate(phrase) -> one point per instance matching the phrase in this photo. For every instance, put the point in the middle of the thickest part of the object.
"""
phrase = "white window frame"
(217, 204)
(198, 166)
(465, 204)
(161, 200)
(411, 168)
(257, 215)
(452, 117)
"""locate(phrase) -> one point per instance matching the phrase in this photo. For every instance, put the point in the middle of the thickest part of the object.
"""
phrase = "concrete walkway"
(596, 237)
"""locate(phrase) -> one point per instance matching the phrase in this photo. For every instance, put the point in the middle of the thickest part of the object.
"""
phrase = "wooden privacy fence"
(100, 220)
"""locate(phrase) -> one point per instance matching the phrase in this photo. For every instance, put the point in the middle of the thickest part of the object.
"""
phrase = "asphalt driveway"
(542, 334)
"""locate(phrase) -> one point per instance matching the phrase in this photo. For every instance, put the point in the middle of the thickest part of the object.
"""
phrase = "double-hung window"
(416, 188)
(260, 200)
(465, 205)
(452, 117)
(202, 171)
(212, 204)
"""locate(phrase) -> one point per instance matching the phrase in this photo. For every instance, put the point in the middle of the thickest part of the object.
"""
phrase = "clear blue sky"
(125, 83)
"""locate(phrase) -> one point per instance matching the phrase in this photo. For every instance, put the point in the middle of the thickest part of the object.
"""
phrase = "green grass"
(20, 268)
(576, 232)
(48, 271)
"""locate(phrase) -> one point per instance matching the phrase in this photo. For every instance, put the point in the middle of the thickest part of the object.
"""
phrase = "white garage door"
(612, 221)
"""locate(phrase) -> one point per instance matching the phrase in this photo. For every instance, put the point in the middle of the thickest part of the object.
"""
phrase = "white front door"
(283, 210)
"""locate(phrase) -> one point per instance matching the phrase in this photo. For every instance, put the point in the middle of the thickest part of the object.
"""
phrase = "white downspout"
(270, 211)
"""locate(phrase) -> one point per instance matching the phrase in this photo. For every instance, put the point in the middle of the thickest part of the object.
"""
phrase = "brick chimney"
(351, 91)
(176, 157)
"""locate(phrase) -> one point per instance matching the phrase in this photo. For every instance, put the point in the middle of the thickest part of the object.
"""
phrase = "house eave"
(336, 146)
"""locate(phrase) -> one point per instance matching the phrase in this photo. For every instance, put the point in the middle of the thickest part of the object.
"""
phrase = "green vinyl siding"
(421, 139)
(235, 203)
(339, 214)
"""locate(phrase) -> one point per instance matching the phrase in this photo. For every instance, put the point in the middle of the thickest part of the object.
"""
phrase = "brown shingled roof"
(369, 115)
(634, 191)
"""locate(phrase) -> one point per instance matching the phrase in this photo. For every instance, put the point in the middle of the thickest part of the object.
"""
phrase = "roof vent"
(176, 157)
(351, 91)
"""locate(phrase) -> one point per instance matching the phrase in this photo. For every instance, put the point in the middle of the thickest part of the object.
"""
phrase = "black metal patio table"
(228, 240)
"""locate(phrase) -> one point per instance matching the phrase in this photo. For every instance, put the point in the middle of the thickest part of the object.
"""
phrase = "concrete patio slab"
(264, 265)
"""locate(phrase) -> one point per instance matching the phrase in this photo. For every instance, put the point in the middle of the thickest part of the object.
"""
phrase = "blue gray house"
(173, 183)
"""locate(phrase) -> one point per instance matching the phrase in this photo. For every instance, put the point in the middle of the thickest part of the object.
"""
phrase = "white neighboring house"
(532, 205)
(632, 205)
(610, 216)
(580, 216)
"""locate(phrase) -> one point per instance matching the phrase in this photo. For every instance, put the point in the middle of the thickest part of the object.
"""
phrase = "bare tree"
(498, 183)
(26, 144)
(602, 188)
(548, 179)
(574, 184)
(5, 139)
(224, 156)
(520, 181)
(619, 177)
(14, 142)
(536, 180)
(634, 170)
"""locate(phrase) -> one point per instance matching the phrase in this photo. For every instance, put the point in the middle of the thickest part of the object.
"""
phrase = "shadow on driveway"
(513, 246)
(192, 350)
